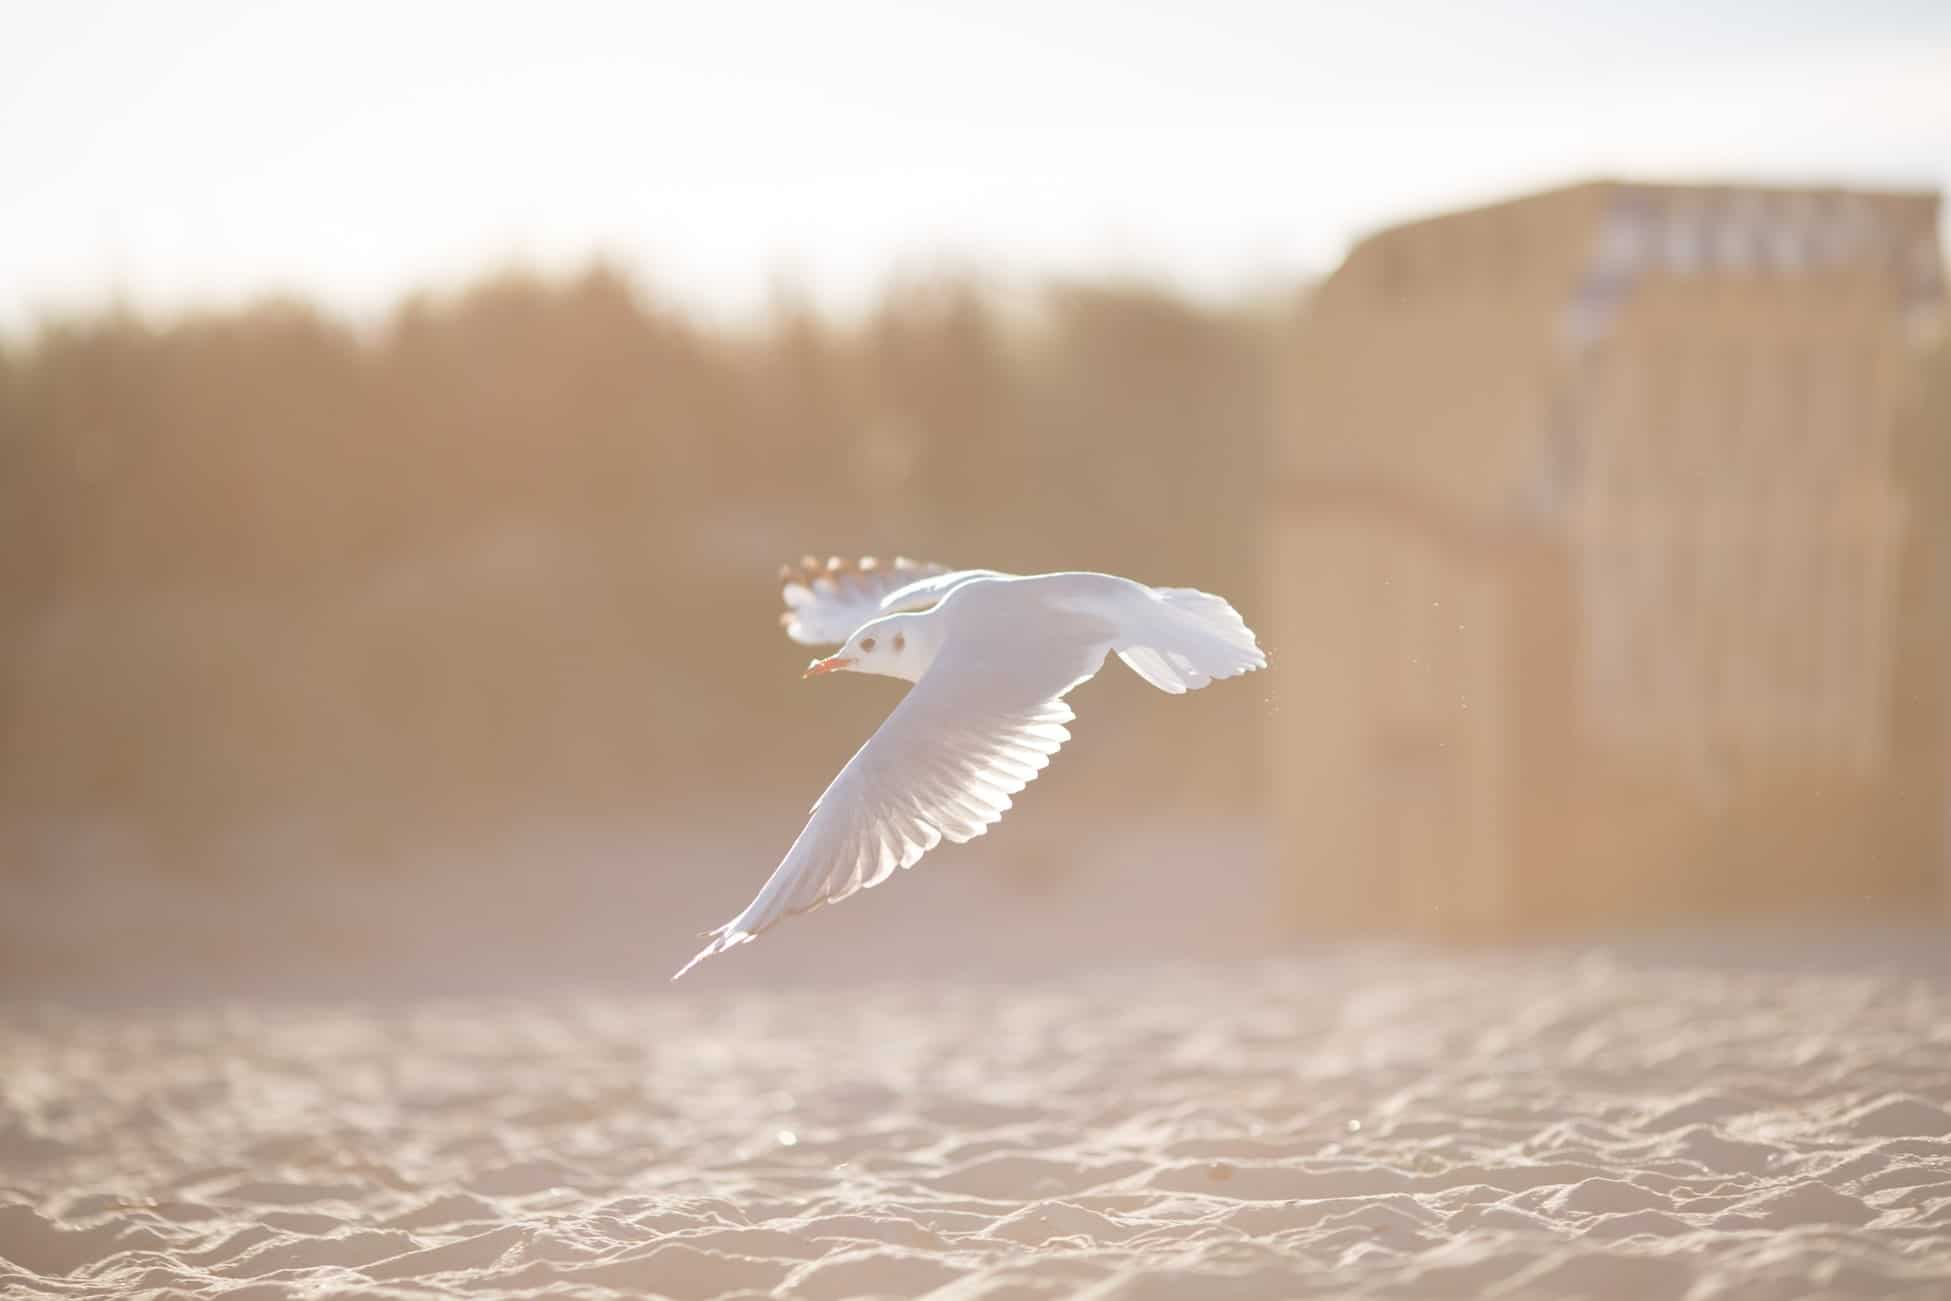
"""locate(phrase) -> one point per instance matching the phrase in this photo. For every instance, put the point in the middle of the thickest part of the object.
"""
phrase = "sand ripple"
(1401, 1127)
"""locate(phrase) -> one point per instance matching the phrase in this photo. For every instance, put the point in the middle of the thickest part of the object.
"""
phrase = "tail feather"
(1200, 639)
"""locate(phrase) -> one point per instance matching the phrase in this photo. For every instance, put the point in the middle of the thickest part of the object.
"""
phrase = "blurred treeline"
(512, 552)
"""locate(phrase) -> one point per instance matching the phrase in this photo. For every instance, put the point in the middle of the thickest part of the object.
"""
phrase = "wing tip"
(829, 598)
(721, 939)
(809, 568)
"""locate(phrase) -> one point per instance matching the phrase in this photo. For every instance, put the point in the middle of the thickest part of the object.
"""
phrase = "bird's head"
(894, 646)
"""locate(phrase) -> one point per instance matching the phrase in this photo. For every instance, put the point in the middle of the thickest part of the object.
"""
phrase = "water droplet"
(787, 1138)
(1354, 1126)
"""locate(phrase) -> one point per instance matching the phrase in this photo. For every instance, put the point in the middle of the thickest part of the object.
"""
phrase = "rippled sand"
(1393, 1126)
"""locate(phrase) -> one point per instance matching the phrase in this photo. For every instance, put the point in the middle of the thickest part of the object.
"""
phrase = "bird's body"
(992, 656)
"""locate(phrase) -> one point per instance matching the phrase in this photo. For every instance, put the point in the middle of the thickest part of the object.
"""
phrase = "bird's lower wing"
(825, 602)
(978, 728)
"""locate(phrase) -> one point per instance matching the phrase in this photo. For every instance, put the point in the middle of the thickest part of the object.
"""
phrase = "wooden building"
(1585, 549)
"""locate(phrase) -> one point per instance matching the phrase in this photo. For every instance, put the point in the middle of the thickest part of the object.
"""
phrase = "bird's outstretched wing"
(826, 601)
(979, 726)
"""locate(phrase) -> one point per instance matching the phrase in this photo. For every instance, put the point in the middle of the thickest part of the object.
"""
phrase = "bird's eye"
(867, 643)
(900, 641)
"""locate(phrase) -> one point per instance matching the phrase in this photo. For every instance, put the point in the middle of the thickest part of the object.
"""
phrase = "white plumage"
(992, 656)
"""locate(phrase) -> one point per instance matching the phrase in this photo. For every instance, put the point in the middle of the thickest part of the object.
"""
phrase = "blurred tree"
(509, 555)
(943, 390)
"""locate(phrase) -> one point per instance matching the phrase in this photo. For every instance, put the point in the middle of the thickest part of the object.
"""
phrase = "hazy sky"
(199, 151)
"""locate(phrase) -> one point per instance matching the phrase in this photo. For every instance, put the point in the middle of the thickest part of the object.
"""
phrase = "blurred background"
(403, 415)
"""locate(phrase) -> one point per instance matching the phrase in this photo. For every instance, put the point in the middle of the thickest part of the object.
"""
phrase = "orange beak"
(831, 665)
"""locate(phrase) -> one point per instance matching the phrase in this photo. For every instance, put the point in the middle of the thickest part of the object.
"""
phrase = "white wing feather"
(979, 726)
(826, 602)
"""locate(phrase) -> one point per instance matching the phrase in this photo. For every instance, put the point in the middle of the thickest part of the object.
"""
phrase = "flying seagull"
(992, 656)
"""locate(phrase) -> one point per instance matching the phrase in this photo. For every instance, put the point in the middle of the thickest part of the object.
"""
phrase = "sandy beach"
(1703, 1121)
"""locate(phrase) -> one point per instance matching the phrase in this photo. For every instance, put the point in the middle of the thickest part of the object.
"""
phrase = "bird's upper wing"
(977, 728)
(825, 602)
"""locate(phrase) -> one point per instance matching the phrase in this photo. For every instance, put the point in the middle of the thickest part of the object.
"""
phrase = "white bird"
(992, 657)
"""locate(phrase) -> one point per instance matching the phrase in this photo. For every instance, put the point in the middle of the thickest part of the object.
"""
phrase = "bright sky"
(203, 151)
